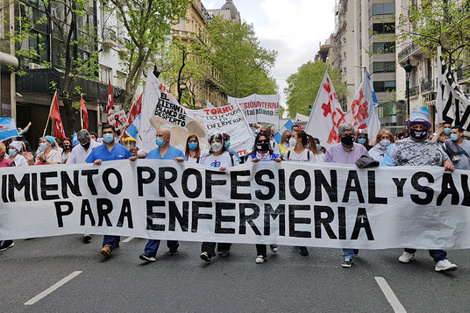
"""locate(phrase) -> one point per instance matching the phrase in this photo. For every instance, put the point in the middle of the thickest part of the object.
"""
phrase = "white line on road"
(128, 239)
(52, 288)
(390, 295)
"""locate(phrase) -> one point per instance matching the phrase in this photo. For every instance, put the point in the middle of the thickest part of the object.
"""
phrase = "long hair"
(307, 141)
(198, 149)
(284, 135)
(381, 133)
(255, 148)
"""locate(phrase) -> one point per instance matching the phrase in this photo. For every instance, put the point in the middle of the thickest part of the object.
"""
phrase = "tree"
(73, 41)
(302, 87)
(433, 23)
(147, 24)
(244, 66)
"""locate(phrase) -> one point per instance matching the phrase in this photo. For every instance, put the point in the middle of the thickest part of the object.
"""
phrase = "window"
(383, 47)
(106, 74)
(384, 86)
(383, 28)
(382, 9)
(382, 67)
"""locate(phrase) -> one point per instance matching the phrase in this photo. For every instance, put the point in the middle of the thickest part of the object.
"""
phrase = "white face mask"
(292, 141)
(216, 146)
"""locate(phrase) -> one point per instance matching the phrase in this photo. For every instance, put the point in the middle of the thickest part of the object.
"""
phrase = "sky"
(294, 28)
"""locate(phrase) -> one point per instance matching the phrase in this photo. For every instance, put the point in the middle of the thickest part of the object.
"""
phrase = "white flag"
(146, 132)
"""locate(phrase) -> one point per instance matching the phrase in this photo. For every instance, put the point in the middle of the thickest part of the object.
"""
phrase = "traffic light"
(310, 108)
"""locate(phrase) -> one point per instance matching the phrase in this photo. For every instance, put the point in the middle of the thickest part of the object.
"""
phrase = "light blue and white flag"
(7, 128)
(74, 139)
(287, 126)
(133, 128)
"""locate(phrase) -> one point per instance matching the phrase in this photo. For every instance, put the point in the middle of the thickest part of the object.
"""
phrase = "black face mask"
(418, 134)
(347, 141)
(85, 145)
(66, 147)
(262, 146)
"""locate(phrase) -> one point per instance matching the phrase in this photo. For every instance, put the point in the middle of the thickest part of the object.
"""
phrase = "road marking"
(128, 239)
(390, 295)
(52, 288)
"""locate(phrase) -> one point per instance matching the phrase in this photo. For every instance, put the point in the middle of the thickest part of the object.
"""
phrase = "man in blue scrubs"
(109, 151)
(164, 151)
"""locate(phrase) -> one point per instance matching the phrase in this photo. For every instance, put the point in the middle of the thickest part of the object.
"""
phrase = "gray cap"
(83, 135)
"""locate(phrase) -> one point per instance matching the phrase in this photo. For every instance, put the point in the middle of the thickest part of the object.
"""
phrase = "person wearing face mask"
(14, 152)
(130, 144)
(220, 158)
(48, 155)
(227, 145)
(382, 141)
(418, 151)
(79, 154)
(164, 151)
(193, 151)
(262, 152)
(66, 149)
(363, 138)
(346, 152)
(443, 133)
(267, 131)
(285, 145)
(458, 149)
(109, 151)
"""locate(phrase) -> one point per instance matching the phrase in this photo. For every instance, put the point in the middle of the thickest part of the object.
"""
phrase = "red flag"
(55, 115)
(84, 112)
(110, 105)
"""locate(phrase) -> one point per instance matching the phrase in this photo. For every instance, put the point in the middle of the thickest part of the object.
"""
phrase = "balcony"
(411, 49)
(414, 91)
(427, 86)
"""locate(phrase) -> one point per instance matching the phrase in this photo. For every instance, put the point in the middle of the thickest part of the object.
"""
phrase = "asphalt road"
(286, 282)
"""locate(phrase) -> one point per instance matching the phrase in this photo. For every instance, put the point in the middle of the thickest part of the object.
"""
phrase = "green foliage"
(434, 23)
(147, 24)
(302, 87)
(244, 66)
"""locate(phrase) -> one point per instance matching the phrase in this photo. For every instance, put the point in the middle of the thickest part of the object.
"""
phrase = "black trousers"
(209, 247)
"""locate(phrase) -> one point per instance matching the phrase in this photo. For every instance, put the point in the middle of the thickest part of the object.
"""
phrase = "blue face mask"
(454, 137)
(11, 152)
(447, 131)
(108, 138)
(318, 147)
(160, 142)
(362, 141)
(227, 144)
(192, 145)
(43, 146)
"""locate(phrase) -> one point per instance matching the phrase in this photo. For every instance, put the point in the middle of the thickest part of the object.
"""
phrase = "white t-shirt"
(304, 156)
(20, 160)
(223, 160)
(79, 155)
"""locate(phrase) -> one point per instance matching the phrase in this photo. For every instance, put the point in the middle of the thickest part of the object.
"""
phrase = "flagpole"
(49, 116)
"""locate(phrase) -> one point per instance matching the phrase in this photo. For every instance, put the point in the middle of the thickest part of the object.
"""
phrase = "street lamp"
(408, 68)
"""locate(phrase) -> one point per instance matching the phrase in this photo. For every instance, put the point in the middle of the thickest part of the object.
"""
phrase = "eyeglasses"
(263, 141)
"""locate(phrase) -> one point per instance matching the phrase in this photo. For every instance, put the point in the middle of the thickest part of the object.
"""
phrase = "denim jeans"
(437, 255)
(348, 253)
(151, 247)
(113, 241)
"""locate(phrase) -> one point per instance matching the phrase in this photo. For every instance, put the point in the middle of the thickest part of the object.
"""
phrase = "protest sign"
(259, 108)
(323, 205)
(118, 120)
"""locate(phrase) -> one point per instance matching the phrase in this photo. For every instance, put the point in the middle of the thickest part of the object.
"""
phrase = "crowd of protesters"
(415, 146)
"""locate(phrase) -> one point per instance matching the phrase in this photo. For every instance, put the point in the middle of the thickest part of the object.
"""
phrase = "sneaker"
(86, 238)
(147, 257)
(106, 250)
(303, 251)
(6, 244)
(273, 248)
(260, 259)
(347, 263)
(205, 256)
(173, 252)
(444, 266)
(224, 253)
(406, 257)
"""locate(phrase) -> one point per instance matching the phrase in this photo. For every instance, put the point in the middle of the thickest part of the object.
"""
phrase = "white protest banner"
(183, 122)
(118, 120)
(259, 108)
(146, 132)
(323, 205)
